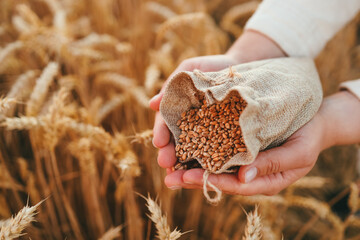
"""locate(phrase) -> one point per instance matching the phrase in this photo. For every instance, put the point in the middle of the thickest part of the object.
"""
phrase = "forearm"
(252, 46)
(341, 118)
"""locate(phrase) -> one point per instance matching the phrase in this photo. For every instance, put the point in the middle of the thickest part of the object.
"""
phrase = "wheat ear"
(161, 224)
(13, 227)
(152, 76)
(253, 226)
(10, 48)
(22, 123)
(41, 88)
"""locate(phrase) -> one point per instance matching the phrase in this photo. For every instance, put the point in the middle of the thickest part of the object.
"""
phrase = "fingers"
(175, 181)
(229, 183)
(291, 155)
(161, 132)
(166, 156)
(154, 102)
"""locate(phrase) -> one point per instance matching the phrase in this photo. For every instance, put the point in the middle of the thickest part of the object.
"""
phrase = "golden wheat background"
(76, 77)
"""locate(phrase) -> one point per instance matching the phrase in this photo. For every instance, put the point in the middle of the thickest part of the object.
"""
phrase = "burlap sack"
(282, 95)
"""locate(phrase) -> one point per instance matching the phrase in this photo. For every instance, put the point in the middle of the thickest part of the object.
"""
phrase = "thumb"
(276, 160)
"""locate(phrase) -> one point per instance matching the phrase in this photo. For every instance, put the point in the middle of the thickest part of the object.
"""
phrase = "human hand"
(277, 168)
(272, 170)
(249, 47)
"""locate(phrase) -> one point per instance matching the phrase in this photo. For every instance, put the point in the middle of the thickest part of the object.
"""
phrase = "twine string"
(213, 200)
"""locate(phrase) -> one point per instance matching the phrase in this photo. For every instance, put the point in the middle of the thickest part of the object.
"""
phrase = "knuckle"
(273, 166)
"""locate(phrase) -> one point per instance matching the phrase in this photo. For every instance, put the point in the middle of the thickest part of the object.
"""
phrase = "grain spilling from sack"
(210, 134)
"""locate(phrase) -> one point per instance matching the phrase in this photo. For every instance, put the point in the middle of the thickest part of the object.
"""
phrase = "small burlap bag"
(282, 95)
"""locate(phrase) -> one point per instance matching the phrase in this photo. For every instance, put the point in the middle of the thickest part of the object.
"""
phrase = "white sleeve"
(352, 86)
(302, 27)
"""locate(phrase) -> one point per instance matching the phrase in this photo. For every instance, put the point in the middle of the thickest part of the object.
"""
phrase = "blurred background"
(76, 77)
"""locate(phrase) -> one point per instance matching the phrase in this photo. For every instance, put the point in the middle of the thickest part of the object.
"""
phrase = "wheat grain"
(41, 88)
(253, 226)
(14, 227)
(211, 134)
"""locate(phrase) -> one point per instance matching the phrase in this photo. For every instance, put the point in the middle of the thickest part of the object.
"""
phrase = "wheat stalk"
(253, 226)
(14, 227)
(161, 224)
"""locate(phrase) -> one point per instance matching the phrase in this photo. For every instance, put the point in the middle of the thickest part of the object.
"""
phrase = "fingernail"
(154, 97)
(188, 183)
(152, 141)
(175, 187)
(250, 174)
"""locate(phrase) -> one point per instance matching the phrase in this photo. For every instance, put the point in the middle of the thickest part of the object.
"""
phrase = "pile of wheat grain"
(76, 77)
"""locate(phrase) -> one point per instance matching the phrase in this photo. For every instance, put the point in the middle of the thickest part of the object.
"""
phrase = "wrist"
(341, 116)
(252, 46)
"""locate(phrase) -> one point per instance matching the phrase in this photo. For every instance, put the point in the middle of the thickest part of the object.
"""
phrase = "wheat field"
(76, 158)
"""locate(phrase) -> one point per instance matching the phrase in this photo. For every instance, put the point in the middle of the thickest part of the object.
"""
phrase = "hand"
(249, 47)
(161, 140)
(277, 168)
(272, 171)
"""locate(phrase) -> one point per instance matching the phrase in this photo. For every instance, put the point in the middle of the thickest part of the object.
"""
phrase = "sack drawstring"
(216, 199)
